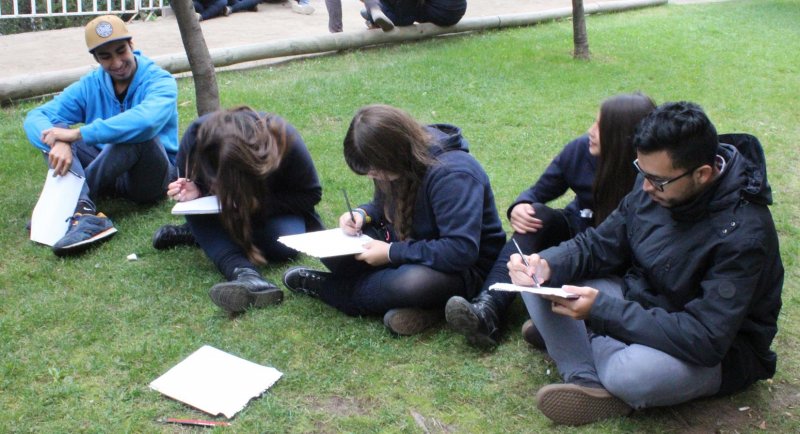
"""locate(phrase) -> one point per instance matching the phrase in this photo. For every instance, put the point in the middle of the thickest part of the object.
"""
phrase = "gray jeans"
(639, 375)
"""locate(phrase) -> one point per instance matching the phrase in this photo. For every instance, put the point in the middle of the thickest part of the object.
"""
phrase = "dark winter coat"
(702, 281)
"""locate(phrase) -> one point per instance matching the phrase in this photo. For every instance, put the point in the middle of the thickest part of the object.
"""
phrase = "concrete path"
(55, 50)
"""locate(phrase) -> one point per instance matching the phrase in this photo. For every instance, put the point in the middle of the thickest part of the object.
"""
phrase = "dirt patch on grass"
(766, 408)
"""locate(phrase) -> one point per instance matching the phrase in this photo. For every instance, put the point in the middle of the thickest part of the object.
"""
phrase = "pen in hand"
(525, 261)
(68, 170)
(350, 210)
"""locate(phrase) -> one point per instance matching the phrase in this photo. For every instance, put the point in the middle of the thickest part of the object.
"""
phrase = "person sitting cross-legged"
(679, 289)
(433, 221)
(597, 168)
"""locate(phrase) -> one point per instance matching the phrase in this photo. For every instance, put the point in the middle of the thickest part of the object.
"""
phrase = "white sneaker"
(304, 9)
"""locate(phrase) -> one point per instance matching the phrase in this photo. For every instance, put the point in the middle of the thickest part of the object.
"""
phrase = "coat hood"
(744, 177)
(446, 138)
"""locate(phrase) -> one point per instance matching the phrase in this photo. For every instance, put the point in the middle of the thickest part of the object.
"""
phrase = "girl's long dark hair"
(236, 150)
(387, 139)
(615, 174)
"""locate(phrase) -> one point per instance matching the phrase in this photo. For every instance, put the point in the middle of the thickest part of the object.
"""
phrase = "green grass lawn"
(81, 338)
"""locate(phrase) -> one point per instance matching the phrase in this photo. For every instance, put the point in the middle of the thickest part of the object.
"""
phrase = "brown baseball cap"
(105, 29)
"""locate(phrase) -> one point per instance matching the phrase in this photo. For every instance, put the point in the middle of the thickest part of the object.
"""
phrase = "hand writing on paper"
(377, 253)
(578, 308)
(521, 274)
(523, 219)
(60, 157)
(182, 190)
(351, 223)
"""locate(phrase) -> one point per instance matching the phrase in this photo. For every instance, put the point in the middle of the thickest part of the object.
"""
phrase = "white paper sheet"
(323, 244)
(216, 382)
(542, 290)
(56, 205)
(201, 205)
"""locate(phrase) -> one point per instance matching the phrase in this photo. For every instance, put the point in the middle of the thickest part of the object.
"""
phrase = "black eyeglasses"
(660, 183)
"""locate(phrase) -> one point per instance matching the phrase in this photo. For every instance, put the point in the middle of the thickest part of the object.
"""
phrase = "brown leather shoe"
(532, 336)
(571, 404)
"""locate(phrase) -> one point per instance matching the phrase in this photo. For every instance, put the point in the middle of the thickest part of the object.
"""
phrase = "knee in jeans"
(631, 384)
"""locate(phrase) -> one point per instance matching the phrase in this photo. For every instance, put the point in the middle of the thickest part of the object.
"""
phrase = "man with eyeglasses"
(679, 289)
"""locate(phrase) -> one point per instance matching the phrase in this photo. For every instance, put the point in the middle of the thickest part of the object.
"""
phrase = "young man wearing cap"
(686, 279)
(126, 143)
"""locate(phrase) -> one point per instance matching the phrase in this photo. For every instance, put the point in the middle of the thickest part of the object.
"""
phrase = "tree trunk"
(205, 79)
(579, 36)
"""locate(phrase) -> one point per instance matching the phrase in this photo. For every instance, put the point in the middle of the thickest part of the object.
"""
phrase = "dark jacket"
(702, 281)
(456, 228)
(293, 188)
(573, 168)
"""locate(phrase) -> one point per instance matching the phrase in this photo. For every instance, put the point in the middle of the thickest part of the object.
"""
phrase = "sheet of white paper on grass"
(216, 382)
(541, 290)
(323, 244)
(50, 219)
(201, 205)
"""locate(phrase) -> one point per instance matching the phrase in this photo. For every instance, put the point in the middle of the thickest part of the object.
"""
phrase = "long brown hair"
(615, 174)
(389, 140)
(236, 150)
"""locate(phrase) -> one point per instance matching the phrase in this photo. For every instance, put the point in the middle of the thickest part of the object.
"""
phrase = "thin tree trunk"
(579, 36)
(203, 74)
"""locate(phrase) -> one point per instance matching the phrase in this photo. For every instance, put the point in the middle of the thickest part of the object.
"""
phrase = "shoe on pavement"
(381, 20)
(304, 281)
(532, 336)
(169, 236)
(572, 404)
(411, 321)
(85, 230)
(248, 289)
(302, 8)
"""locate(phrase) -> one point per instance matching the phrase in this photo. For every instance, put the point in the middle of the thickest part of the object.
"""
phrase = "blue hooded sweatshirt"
(149, 110)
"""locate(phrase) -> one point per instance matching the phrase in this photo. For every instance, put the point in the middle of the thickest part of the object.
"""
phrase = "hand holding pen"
(350, 222)
(60, 159)
(527, 271)
(183, 189)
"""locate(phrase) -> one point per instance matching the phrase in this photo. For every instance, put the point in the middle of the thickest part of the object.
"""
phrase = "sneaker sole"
(235, 298)
(404, 322)
(463, 320)
(570, 404)
(85, 244)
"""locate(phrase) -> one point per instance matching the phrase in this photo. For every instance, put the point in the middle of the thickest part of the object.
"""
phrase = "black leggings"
(356, 288)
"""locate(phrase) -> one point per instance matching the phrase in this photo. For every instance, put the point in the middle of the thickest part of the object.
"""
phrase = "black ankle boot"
(304, 280)
(478, 321)
(247, 289)
(168, 236)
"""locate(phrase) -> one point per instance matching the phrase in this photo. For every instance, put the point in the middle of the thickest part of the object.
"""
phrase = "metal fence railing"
(64, 8)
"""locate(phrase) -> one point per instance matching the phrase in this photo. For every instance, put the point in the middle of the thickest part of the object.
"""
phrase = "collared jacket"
(148, 111)
(293, 188)
(572, 169)
(456, 228)
(702, 281)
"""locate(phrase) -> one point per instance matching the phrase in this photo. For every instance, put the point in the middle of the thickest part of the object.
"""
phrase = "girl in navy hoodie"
(262, 174)
(433, 219)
